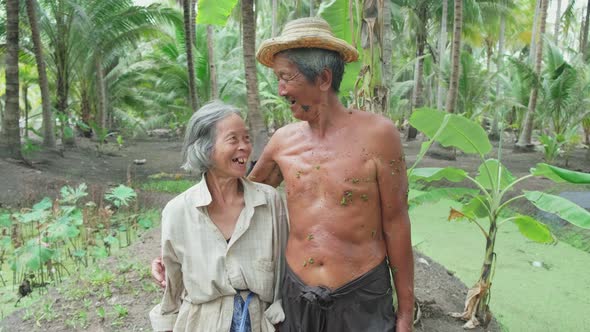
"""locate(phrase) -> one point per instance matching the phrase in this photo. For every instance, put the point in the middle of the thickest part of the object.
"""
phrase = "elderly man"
(346, 186)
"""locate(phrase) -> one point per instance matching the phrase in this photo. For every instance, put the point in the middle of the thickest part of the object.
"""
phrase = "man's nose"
(282, 89)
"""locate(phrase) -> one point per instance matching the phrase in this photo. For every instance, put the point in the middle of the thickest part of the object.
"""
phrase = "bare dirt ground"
(438, 291)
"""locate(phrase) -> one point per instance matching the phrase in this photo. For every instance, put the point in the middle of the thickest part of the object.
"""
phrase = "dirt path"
(130, 287)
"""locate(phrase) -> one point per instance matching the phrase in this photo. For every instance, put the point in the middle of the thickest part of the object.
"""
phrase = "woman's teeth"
(240, 161)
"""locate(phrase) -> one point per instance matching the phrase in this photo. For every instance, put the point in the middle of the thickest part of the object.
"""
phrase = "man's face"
(302, 96)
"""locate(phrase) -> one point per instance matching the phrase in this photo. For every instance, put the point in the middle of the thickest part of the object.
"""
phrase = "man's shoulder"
(378, 123)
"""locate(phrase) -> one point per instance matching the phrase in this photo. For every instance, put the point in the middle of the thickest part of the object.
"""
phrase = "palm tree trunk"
(442, 45)
(48, 121)
(524, 140)
(188, 44)
(101, 94)
(10, 126)
(534, 32)
(387, 40)
(274, 18)
(557, 23)
(255, 118)
(455, 57)
(63, 79)
(584, 43)
(494, 132)
(25, 89)
(212, 67)
(417, 98)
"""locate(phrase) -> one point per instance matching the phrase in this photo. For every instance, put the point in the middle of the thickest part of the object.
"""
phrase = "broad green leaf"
(460, 132)
(533, 229)
(436, 194)
(36, 215)
(215, 12)
(435, 174)
(5, 242)
(32, 255)
(79, 253)
(99, 252)
(483, 177)
(559, 174)
(560, 206)
(335, 12)
(476, 208)
(61, 231)
(5, 220)
(110, 240)
(44, 204)
(145, 222)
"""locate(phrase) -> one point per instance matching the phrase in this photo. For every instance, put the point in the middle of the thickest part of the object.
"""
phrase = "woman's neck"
(224, 190)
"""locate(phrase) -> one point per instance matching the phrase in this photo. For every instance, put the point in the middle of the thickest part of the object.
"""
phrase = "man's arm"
(266, 169)
(393, 189)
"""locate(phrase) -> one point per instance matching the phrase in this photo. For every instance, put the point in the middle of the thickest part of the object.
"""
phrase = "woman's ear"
(325, 80)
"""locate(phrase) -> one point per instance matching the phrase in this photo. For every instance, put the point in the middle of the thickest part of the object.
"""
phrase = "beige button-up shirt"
(204, 272)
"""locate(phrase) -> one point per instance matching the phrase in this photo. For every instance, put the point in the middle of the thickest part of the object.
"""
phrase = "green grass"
(168, 186)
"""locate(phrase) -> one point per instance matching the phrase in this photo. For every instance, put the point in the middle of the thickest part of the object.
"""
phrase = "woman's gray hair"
(311, 61)
(199, 138)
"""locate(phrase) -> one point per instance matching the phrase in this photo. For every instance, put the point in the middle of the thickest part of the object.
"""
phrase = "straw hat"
(309, 32)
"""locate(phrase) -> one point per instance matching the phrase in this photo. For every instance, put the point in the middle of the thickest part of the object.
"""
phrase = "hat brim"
(269, 48)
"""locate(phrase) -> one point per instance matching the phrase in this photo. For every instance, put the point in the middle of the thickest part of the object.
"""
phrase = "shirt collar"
(200, 195)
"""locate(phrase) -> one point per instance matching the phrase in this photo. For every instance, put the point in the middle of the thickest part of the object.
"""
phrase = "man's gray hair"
(311, 61)
(199, 139)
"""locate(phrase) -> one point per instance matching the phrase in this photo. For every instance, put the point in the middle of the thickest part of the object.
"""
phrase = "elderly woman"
(222, 239)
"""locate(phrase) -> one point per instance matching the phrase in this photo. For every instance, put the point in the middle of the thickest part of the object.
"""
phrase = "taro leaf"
(35, 215)
(71, 195)
(44, 204)
(98, 252)
(79, 253)
(5, 242)
(435, 174)
(111, 240)
(32, 255)
(61, 231)
(560, 206)
(76, 217)
(145, 222)
(121, 196)
(460, 132)
(5, 220)
(484, 178)
(475, 208)
(533, 229)
(559, 174)
(436, 194)
(214, 12)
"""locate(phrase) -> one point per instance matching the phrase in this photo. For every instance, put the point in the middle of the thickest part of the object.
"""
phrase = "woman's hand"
(159, 272)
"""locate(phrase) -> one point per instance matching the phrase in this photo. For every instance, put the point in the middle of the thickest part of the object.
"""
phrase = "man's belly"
(330, 246)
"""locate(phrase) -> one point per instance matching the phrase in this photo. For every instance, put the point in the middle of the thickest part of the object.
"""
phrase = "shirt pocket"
(265, 277)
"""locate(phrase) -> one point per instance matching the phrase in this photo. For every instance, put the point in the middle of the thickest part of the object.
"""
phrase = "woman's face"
(232, 148)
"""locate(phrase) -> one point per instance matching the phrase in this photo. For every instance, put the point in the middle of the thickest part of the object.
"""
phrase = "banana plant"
(495, 192)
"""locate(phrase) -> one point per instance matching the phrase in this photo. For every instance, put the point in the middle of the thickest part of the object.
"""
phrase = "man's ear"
(325, 80)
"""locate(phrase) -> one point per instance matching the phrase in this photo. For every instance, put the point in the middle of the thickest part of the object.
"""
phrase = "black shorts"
(363, 304)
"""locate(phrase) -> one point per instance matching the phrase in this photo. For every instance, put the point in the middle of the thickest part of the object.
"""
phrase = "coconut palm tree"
(10, 122)
(524, 139)
(255, 118)
(48, 120)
